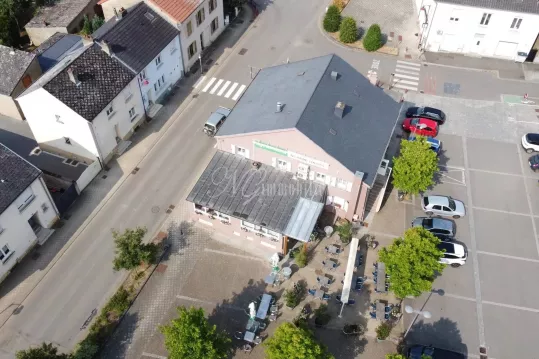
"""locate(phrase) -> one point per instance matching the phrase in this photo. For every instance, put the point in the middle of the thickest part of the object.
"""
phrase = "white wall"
(87, 176)
(462, 36)
(41, 108)
(17, 233)
(120, 124)
(171, 68)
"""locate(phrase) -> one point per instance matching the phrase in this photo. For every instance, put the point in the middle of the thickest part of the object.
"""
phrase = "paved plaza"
(491, 300)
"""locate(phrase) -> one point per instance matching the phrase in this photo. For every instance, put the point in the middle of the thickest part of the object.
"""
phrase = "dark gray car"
(442, 228)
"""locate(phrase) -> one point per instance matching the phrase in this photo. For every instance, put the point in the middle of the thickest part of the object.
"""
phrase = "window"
(516, 23)
(67, 140)
(213, 5)
(158, 61)
(142, 75)
(132, 113)
(192, 50)
(163, 79)
(223, 217)
(189, 28)
(342, 184)
(110, 111)
(5, 253)
(25, 199)
(128, 94)
(214, 25)
(454, 19)
(248, 225)
(241, 151)
(200, 16)
(283, 165)
(44, 207)
(485, 19)
(58, 119)
(320, 177)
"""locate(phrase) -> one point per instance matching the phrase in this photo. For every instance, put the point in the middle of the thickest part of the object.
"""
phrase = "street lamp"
(408, 309)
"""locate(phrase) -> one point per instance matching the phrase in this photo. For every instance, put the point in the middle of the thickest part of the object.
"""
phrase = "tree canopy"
(373, 38)
(45, 351)
(291, 342)
(130, 250)
(414, 168)
(412, 262)
(332, 19)
(191, 336)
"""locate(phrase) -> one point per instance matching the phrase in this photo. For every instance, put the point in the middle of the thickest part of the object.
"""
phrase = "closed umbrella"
(252, 310)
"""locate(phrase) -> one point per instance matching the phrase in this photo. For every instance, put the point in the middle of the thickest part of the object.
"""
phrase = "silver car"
(443, 206)
(442, 228)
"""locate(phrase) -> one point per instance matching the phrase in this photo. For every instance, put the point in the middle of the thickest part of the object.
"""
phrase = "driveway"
(491, 301)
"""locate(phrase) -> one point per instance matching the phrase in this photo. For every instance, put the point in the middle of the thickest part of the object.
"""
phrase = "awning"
(301, 223)
(345, 295)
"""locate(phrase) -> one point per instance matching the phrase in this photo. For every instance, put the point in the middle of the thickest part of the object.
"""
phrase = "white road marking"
(408, 73)
(408, 63)
(239, 92)
(498, 173)
(200, 81)
(216, 86)
(406, 76)
(231, 90)
(223, 88)
(404, 87)
(502, 211)
(459, 297)
(153, 355)
(511, 306)
(509, 257)
(407, 82)
(415, 70)
(207, 87)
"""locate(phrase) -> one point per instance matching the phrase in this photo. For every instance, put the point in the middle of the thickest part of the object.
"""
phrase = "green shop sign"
(271, 148)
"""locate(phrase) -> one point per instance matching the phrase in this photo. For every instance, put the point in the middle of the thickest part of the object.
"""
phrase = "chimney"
(105, 46)
(334, 75)
(339, 109)
(73, 76)
(121, 13)
(279, 107)
(116, 14)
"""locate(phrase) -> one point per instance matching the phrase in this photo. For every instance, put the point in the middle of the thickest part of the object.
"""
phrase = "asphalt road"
(83, 279)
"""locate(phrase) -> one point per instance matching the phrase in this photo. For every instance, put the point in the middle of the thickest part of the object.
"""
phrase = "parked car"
(215, 121)
(442, 228)
(419, 351)
(435, 144)
(534, 163)
(455, 254)
(426, 112)
(530, 142)
(443, 206)
(420, 126)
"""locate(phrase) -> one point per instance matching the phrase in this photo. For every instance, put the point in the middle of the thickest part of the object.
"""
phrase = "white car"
(443, 206)
(455, 254)
(530, 142)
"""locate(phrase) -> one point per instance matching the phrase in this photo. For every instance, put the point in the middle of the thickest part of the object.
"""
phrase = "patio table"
(252, 326)
(333, 249)
(249, 337)
(270, 278)
(319, 294)
(381, 278)
(380, 310)
(323, 280)
(329, 264)
(264, 307)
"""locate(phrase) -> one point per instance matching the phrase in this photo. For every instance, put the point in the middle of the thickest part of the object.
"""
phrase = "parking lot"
(491, 301)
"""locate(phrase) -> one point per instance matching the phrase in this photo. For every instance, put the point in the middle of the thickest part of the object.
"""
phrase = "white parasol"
(252, 310)
(274, 260)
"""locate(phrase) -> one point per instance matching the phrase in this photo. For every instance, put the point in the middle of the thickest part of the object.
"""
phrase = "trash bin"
(287, 272)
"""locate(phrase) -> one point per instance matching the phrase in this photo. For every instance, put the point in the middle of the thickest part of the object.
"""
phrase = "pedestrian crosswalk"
(220, 87)
(406, 76)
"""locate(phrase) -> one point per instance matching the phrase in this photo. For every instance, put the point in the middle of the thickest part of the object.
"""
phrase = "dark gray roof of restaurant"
(138, 37)
(309, 94)
(13, 65)
(525, 6)
(266, 196)
(45, 161)
(16, 175)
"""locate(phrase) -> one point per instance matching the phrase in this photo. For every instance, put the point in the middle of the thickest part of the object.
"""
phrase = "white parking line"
(216, 86)
(150, 355)
(239, 92)
(511, 306)
(509, 257)
(407, 82)
(497, 173)
(449, 295)
(231, 90)
(200, 80)
(528, 198)
(502, 211)
(223, 88)
(408, 67)
(207, 87)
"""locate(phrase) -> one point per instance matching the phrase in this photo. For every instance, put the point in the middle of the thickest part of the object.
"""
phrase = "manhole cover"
(161, 268)
(155, 209)
(242, 51)
(104, 176)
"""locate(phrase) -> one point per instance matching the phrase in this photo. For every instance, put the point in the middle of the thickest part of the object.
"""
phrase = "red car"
(420, 126)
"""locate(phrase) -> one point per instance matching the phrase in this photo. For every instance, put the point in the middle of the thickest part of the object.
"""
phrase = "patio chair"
(273, 317)
(257, 340)
(373, 306)
(375, 264)
(274, 309)
(373, 315)
(388, 309)
(386, 316)
(326, 297)
(312, 291)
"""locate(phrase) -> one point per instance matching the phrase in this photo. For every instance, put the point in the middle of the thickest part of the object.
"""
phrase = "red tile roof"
(178, 9)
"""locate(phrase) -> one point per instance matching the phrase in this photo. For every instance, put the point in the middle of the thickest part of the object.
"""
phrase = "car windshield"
(414, 122)
(420, 110)
(452, 204)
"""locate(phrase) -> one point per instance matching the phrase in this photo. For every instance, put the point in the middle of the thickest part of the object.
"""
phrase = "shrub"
(302, 258)
(373, 38)
(345, 231)
(119, 302)
(321, 315)
(291, 298)
(348, 30)
(87, 26)
(383, 331)
(86, 349)
(332, 20)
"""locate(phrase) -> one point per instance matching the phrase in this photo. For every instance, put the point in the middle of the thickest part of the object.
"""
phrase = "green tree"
(344, 230)
(131, 251)
(348, 30)
(302, 258)
(414, 168)
(191, 336)
(86, 26)
(97, 22)
(395, 356)
(412, 261)
(9, 25)
(332, 19)
(373, 38)
(45, 351)
(291, 342)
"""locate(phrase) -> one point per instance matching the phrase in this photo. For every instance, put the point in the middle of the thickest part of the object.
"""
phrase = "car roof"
(426, 121)
(439, 200)
(437, 353)
(432, 109)
(452, 247)
(442, 223)
(214, 118)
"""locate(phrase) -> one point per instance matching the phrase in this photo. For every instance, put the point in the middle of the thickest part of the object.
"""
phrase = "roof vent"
(73, 76)
(149, 16)
(256, 164)
(334, 75)
(332, 131)
(301, 73)
(280, 107)
(35, 152)
(339, 109)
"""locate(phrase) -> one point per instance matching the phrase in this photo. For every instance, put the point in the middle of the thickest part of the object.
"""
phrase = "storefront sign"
(308, 160)
(271, 148)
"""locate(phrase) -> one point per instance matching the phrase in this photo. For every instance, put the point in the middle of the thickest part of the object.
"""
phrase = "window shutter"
(349, 186)
(345, 207)
(289, 166)
(333, 181)
(311, 175)
(247, 153)
(233, 149)
(328, 179)
(274, 162)
(329, 200)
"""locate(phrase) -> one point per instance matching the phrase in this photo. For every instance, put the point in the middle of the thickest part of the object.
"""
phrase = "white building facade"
(478, 31)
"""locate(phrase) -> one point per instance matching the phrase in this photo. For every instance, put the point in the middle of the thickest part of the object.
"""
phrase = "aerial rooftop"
(526, 6)
(13, 65)
(55, 48)
(179, 10)
(60, 14)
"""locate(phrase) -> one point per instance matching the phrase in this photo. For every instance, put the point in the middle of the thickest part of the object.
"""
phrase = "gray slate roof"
(266, 196)
(525, 6)
(60, 14)
(46, 162)
(101, 77)
(13, 65)
(56, 48)
(16, 175)
(138, 37)
(309, 94)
